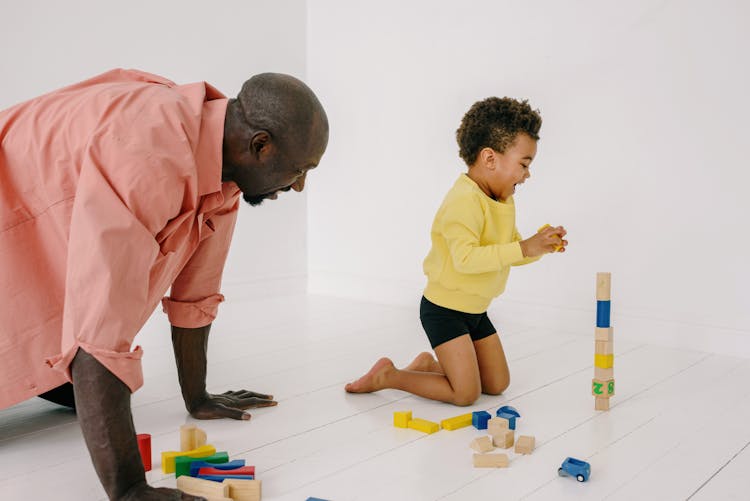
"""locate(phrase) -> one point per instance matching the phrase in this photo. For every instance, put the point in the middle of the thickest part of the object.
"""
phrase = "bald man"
(113, 190)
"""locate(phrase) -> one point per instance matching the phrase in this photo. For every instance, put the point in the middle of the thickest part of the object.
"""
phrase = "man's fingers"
(247, 394)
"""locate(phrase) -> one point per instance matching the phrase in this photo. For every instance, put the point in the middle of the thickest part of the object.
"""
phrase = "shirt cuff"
(192, 314)
(126, 366)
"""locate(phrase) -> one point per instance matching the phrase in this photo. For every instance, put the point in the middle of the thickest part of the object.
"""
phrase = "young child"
(474, 244)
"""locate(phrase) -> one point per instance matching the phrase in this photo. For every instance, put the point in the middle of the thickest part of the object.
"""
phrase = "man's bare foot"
(424, 362)
(374, 380)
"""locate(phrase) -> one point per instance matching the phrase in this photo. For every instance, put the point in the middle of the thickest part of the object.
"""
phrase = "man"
(112, 191)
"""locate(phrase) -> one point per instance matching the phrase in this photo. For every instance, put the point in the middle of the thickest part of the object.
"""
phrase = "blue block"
(231, 465)
(602, 313)
(509, 413)
(479, 419)
(220, 478)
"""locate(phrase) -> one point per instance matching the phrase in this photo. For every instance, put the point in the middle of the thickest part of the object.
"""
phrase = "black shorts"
(443, 324)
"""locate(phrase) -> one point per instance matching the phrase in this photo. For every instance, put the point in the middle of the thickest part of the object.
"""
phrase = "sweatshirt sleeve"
(461, 228)
(517, 238)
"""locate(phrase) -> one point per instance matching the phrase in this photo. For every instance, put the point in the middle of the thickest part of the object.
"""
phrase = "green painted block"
(182, 463)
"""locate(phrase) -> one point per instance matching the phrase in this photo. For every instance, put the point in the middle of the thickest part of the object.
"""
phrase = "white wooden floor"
(679, 427)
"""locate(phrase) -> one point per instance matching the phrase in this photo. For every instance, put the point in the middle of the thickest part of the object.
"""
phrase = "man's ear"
(260, 143)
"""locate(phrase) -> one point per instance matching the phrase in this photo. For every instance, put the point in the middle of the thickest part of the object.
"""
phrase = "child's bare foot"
(374, 380)
(424, 362)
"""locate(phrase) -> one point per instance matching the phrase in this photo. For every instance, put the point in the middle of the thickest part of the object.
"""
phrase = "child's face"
(511, 167)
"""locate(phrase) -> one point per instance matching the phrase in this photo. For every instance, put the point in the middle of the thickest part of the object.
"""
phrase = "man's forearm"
(103, 407)
(190, 349)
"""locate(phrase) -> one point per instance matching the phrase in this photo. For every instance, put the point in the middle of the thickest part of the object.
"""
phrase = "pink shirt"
(110, 193)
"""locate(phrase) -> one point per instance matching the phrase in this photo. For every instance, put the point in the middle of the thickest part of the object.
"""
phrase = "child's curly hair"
(494, 123)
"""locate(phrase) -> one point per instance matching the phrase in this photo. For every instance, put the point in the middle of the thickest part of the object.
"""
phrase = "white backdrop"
(48, 44)
(643, 153)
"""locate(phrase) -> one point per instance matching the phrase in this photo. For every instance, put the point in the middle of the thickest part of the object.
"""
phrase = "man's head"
(497, 140)
(275, 131)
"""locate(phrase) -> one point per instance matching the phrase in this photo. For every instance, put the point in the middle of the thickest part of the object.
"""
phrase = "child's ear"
(488, 158)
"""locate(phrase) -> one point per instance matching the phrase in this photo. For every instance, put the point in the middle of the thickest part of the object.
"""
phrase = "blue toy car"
(575, 468)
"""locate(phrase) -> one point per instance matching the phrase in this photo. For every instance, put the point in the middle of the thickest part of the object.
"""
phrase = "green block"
(182, 463)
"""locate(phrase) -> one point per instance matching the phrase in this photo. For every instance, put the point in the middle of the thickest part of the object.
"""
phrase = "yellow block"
(401, 419)
(604, 361)
(423, 425)
(558, 246)
(167, 457)
(457, 422)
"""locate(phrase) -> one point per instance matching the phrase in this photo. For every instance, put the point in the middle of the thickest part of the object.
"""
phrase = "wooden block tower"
(603, 384)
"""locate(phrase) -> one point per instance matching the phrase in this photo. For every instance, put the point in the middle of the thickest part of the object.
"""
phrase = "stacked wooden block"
(201, 471)
(603, 384)
(501, 435)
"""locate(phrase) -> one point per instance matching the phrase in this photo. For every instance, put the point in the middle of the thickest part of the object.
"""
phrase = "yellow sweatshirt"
(474, 244)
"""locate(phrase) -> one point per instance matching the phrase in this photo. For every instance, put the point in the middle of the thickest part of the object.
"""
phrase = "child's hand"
(548, 239)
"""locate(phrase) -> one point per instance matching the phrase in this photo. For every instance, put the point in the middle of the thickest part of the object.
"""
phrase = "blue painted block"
(220, 478)
(602, 313)
(231, 465)
(509, 413)
(479, 419)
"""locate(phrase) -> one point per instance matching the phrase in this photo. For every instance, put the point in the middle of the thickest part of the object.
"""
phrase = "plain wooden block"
(603, 334)
(168, 457)
(401, 419)
(497, 425)
(604, 374)
(191, 437)
(601, 403)
(603, 286)
(200, 487)
(504, 439)
(491, 460)
(525, 444)
(423, 425)
(604, 347)
(243, 490)
(456, 422)
(482, 444)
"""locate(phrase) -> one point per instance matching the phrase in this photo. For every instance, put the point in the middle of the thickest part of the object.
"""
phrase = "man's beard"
(256, 200)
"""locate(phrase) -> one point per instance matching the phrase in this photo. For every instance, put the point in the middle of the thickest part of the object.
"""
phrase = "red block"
(144, 446)
(242, 470)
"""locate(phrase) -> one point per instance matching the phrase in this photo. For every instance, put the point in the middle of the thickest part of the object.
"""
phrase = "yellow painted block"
(604, 361)
(168, 457)
(457, 422)
(423, 425)
(401, 419)
(558, 246)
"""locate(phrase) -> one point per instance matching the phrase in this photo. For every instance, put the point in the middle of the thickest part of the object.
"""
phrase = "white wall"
(48, 44)
(643, 153)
